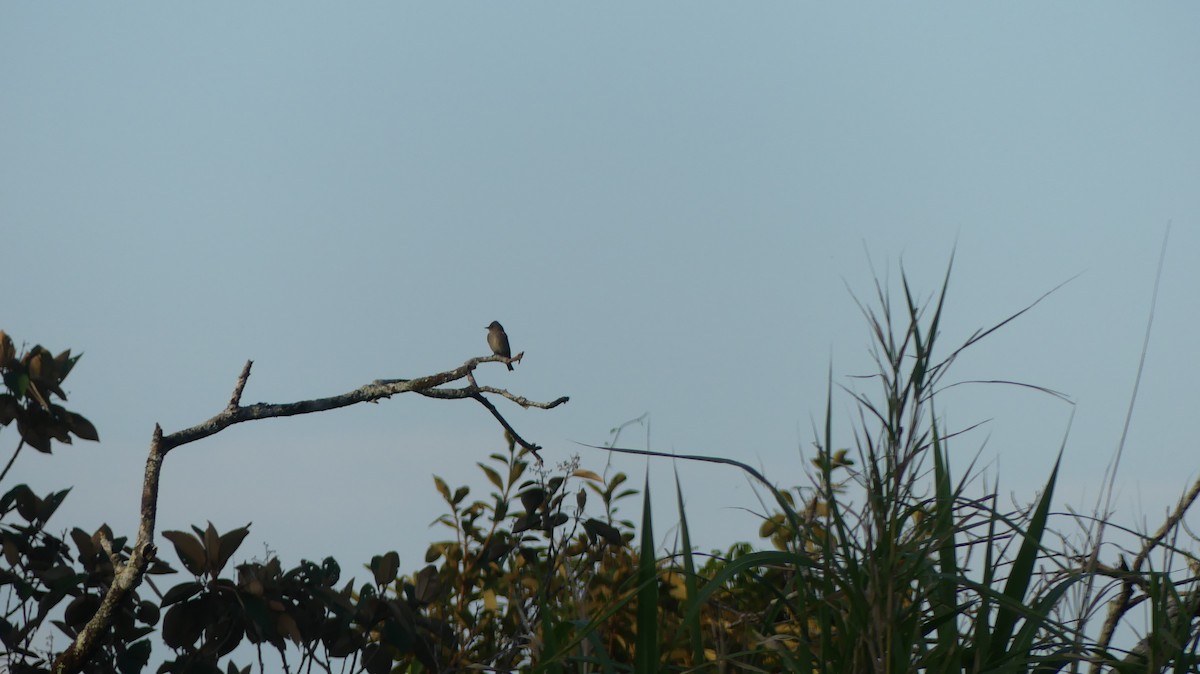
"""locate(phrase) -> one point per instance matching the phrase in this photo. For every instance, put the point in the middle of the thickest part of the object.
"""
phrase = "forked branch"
(129, 574)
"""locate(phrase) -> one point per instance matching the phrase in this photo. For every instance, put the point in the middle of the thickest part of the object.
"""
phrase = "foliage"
(883, 563)
(33, 380)
(41, 571)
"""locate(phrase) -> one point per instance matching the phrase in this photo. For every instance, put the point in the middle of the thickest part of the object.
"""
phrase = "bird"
(499, 341)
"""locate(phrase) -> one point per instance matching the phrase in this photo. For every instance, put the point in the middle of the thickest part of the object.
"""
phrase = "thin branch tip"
(236, 399)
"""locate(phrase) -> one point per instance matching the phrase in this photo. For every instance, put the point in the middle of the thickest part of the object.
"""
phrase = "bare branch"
(130, 574)
(236, 398)
(504, 422)
(469, 392)
(1121, 604)
(522, 401)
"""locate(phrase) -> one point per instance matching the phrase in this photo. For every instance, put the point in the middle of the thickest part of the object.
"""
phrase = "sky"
(670, 206)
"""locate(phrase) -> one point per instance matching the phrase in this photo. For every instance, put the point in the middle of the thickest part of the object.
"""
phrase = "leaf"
(646, 646)
(433, 552)
(427, 587)
(492, 475)
(489, 601)
(148, 612)
(1022, 571)
(18, 383)
(286, 625)
(28, 504)
(532, 498)
(442, 488)
(134, 657)
(333, 571)
(587, 475)
(497, 548)
(181, 592)
(385, 567)
(53, 387)
(81, 427)
(12, 496)
(9, 407)
(230, 540)
(190, 551)
(55, 423)
(7, 351)
(183, 624)
(524, 523)
(80, 610)
(37, 364)
(376, 660)
(65, 363)
(610, 534)
(51, 503)
(83, 543)
(460, 494)
(212, 547)
(517, 470)
(34, 436)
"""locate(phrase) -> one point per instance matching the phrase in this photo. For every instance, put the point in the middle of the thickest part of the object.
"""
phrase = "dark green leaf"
(134, 657)
(148, 612)
(9, 406)
(83, 543)
(646, 646)
(532, 498)
(385, 567)
(229, 543)
(190, 551)
(525, 522)
(51, 503)
(212, 547)
(426, 586)
(184, 624)
(181, 592)
(33, 434)
(28, 504)
(376, 660)
(609, 533)
(81, 427)
(80, 610)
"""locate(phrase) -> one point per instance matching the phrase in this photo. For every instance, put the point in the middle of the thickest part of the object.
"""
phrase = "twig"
(14, 458)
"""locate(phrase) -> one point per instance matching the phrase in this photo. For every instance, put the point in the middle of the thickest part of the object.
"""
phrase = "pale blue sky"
(662, 202)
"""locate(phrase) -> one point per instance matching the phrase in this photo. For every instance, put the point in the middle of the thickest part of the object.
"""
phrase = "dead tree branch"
(1121, 604)
(129, 574)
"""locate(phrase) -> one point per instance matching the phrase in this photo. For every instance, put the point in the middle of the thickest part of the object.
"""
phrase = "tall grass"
(886, 563)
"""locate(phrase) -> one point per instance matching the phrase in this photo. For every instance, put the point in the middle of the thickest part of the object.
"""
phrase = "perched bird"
(499, 341)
